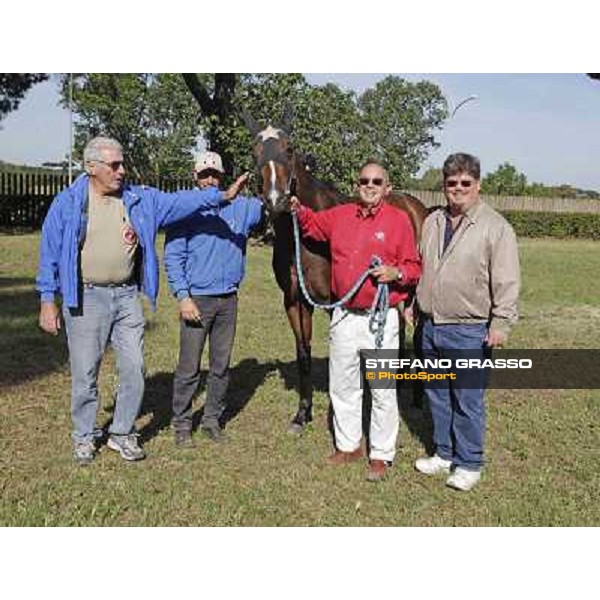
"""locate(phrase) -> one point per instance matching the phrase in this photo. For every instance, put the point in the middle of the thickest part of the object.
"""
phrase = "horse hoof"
(296, 429)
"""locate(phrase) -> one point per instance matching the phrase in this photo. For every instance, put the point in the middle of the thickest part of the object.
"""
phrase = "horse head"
(276, 162)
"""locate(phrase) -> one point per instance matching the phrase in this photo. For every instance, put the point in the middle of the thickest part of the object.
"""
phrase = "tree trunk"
(220, 106)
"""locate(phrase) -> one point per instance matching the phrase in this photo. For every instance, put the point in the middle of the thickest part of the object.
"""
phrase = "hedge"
(558, 225)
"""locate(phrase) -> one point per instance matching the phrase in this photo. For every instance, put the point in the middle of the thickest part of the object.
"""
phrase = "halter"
(291, 183)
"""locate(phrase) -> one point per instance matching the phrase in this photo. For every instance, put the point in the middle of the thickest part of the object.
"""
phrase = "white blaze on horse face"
(269, 133)
(273, 194)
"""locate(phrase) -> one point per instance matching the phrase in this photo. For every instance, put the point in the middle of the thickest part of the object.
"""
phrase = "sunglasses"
(452, 183)
(115, 165)
(209, 173)
(377, 181)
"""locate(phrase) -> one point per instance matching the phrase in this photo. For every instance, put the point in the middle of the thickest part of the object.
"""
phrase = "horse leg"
(300, 318)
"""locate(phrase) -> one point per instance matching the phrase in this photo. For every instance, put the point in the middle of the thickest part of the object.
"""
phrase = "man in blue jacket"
(205, 262)
(98, 252)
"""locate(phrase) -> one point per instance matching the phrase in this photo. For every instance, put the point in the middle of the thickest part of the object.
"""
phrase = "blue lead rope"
(381, 303)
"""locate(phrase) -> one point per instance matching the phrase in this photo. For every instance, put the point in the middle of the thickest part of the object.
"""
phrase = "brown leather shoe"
(343, 458)
(377, 470)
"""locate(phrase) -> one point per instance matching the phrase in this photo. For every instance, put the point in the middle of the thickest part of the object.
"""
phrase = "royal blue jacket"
(65, 227)
(206, 254)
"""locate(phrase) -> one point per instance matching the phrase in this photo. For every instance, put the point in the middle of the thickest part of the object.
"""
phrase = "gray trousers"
(219, 316)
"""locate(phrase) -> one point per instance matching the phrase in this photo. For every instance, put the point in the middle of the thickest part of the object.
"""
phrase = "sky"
(546, 125)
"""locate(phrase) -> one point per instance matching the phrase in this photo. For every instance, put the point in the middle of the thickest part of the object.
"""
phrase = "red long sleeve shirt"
(355, 235)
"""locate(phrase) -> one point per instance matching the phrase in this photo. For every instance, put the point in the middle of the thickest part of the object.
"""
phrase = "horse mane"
(321, 188)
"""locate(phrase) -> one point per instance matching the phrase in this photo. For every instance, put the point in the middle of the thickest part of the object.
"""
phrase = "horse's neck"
(314, 193)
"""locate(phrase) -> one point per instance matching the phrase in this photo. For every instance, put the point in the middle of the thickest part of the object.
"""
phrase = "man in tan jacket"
(467, 297)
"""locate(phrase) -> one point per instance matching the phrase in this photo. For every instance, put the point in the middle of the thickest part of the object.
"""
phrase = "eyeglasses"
(377, 181)
(209, 173)
(115, 165)
(452, 183)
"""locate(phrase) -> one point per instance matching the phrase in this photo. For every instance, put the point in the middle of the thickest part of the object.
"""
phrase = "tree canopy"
(505, 181)
(155, 118)
(149, 114)
(13, 87)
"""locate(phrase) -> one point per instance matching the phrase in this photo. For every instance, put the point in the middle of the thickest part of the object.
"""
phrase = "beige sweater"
(477, 279)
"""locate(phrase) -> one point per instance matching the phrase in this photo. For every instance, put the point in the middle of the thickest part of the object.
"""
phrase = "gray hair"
(93, 149)
(378, 163)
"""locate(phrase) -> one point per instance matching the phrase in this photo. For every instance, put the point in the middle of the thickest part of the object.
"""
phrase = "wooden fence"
(26, 197)
(525, 203)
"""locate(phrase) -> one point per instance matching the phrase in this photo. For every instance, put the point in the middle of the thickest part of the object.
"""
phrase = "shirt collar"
(470, 214)
(368, 211)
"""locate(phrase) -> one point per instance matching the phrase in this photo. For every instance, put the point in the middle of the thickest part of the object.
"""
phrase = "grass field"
(543, 447)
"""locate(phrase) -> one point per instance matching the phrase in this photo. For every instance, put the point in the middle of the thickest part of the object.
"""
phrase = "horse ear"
(288, 117)
(250, 122)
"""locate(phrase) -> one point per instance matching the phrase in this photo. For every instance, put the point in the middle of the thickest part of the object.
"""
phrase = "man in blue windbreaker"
(98, 252)
(205, 261)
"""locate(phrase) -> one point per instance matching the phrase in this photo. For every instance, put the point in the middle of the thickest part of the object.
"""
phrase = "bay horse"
(285, 172)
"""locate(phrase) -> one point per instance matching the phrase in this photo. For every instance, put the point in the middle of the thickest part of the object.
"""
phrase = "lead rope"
(379, 308)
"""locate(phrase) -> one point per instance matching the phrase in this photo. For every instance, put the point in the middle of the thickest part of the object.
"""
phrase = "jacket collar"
(80, 187)
(471, 214)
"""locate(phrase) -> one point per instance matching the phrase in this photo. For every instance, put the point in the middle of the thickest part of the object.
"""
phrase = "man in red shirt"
(356, 232)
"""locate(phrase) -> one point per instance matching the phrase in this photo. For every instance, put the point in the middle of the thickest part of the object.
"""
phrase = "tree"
(400, 117)
(149, 114)
(157, 121)
(326, 123)
(216, 106)
(505, 181)
(13, 87)
(432, 180)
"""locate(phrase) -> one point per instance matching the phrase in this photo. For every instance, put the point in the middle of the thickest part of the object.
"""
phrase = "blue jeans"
(458, 414)
(107, 313)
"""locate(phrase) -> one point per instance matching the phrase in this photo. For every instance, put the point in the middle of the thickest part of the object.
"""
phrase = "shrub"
(558, 225)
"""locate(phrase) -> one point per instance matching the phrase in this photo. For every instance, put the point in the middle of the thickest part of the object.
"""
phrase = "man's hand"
(495, 338)
(386, 273)
(189, 310)
(50, 318)
(234, 189)
(294, 205)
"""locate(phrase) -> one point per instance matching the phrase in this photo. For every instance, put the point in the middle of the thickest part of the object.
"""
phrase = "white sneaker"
(463, 480)
(432, 465)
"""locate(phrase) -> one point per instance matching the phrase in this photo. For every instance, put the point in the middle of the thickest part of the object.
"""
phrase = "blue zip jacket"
(206, 254)
(65, 227)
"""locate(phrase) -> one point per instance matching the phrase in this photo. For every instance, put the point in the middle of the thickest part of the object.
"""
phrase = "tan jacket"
(477, 279)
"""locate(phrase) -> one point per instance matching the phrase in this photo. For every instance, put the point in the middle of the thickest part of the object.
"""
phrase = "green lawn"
(543, 446)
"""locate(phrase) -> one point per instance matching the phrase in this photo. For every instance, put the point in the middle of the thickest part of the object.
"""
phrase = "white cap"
(209, 160)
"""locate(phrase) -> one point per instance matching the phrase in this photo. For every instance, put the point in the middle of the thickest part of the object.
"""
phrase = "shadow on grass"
(245, 378)
(416, 418)
(15, 281)
(414, 412)
(25, 351)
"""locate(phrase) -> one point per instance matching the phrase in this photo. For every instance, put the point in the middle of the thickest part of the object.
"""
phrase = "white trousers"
(349, 333)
